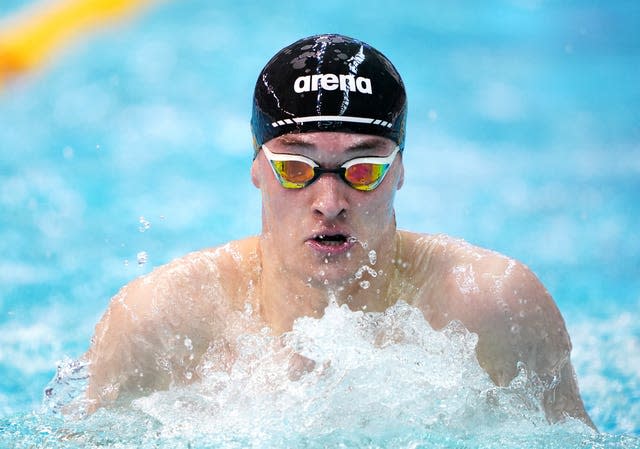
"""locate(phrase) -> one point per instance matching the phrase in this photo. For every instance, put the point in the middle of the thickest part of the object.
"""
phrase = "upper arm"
(526, 326)
(121, 356)
(154, 331)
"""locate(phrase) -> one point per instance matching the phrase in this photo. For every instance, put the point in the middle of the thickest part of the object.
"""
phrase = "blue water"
(524, 136)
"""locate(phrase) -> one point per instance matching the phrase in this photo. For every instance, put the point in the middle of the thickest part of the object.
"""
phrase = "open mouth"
(331, 240)
(331, 243)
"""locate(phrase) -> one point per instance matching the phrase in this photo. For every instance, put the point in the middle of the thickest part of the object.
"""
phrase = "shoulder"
(194, 275)
(498, 298)
(205, 284)
(461, 270)
(501, 300)
(157, 327)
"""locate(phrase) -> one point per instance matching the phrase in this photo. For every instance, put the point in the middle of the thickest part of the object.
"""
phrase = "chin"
(335, 272)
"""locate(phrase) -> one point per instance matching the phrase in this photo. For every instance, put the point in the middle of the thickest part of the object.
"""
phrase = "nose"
(329, 196)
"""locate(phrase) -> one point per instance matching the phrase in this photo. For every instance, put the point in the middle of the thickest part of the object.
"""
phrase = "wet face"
(325, 232)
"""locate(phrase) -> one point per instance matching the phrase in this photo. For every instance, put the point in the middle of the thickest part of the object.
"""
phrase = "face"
(324, 233)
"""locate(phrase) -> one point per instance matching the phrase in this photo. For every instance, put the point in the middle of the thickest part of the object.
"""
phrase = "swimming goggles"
(362, 173)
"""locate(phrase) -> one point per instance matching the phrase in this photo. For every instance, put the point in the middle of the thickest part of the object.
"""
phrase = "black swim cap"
(329, 82)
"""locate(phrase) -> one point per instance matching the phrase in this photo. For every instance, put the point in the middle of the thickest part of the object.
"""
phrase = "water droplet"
(142, 258)
(188, 375)
(365, 284)
(248, 308)
(373, 257)
(144, 224)
(188, 344)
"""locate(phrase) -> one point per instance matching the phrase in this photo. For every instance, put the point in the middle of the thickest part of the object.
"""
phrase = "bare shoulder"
(157, 327)
(503, 301)
(195, 284)
(498, 298)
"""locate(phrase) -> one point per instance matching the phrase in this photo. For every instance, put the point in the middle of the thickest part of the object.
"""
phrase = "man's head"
(329, 83)
(328, 124)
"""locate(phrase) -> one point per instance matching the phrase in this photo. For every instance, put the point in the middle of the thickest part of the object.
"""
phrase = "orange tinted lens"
(294, 172)
(365, 175)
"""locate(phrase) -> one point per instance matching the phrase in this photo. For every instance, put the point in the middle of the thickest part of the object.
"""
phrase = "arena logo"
(329, 81)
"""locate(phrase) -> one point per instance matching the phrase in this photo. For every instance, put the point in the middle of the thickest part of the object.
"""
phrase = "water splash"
(349, 379)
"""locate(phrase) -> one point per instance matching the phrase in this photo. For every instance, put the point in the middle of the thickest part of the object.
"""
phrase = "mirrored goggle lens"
(365, 176)
(293, 174)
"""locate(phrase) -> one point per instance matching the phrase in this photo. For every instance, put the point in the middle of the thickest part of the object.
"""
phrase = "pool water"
(132, 147)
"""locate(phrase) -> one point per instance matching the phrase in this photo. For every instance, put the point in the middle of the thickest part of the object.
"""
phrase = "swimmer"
(328, 127)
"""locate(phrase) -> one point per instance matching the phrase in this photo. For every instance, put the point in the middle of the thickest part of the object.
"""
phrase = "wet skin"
(324, 241)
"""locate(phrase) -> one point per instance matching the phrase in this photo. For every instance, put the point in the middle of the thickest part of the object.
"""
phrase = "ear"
(255, 178)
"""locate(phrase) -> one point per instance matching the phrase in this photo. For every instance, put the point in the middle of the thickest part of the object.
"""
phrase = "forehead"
(332, 142)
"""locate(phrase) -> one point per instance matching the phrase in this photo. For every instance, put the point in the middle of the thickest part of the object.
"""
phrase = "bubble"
(365, 284)
(188, 343)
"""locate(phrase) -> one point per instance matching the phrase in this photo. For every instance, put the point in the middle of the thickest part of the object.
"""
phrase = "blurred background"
(129, 145)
